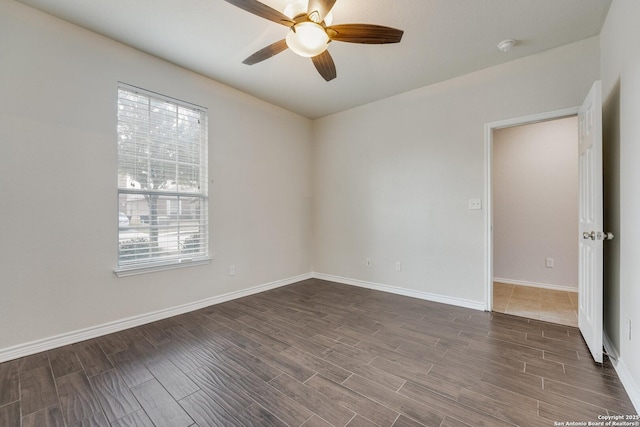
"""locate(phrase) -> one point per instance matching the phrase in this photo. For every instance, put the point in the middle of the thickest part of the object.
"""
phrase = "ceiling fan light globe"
(328, 20)
(307, 39)
(295, 8)
(299, 7)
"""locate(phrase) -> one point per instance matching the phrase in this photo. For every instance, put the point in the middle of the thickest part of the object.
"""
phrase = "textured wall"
(392, 179)
(58, 170)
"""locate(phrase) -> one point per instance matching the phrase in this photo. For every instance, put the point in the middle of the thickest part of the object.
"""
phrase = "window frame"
(179, 260)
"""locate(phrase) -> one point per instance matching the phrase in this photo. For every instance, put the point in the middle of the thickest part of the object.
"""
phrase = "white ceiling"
(442, 39)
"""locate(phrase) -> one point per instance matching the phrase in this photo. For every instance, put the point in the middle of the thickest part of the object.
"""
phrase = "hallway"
(535, 303)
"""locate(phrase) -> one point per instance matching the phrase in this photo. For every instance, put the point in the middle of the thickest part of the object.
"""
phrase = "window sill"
(152, 268)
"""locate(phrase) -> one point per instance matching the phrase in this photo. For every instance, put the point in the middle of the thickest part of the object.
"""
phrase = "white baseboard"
(460, 302)
(630, 385)
(536, 284)
(44, 344)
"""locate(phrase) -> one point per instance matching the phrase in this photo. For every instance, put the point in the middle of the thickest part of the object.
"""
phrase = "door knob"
(597, 235)
(587, 235)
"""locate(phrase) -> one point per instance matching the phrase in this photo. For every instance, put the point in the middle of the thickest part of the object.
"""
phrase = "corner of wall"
(630, 385)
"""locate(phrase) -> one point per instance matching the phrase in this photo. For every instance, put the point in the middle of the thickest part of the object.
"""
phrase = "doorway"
(532, 206)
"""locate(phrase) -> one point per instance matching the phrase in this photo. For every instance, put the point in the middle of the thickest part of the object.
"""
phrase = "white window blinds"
(162, 180)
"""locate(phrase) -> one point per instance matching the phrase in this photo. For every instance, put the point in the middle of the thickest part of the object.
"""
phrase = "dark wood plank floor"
(317, 353)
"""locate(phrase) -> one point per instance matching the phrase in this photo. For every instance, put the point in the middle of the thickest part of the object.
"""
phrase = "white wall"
(621, 94)
(58, 230)
(392, 179)
(535, 203)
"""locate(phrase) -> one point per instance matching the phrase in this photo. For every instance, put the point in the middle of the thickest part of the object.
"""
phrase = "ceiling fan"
(309, 34)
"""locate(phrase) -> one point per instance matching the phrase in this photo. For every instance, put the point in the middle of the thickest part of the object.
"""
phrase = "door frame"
(488, 182)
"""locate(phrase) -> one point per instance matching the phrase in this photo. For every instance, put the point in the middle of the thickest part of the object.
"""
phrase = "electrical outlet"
(549, 262)
(475, 204)
(398, 266)
(368, 262)
(232, 270)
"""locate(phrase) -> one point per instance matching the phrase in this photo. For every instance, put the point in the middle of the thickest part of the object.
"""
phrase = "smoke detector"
(506, 45)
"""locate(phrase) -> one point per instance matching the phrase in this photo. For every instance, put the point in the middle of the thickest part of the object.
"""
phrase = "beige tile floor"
(536, 303)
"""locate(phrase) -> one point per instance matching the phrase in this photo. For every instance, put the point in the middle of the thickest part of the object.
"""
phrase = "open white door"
(591, 236)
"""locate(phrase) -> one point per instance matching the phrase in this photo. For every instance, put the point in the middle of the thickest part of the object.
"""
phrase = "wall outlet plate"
(475, 204)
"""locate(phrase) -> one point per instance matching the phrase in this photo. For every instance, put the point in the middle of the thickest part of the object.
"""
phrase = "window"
(162, 182)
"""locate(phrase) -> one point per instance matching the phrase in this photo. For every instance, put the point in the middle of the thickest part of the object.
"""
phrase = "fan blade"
(263, 11)
(364, 33)
(266, 53)
(321, 8)
(325, 65)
